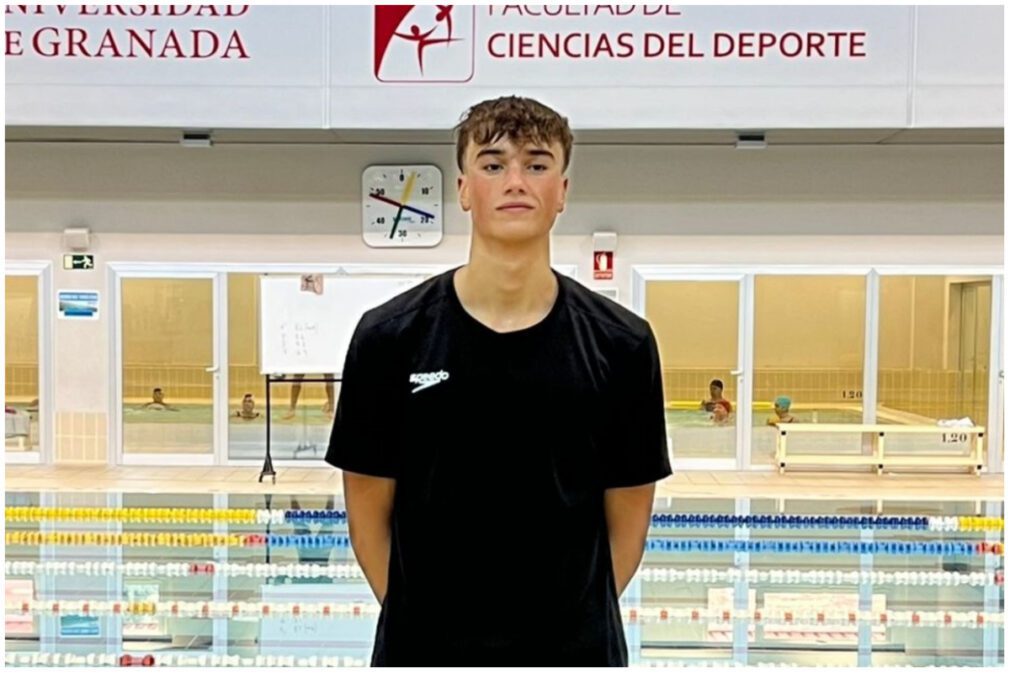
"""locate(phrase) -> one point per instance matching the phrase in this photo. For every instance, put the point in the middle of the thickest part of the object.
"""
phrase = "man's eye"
(539, 168)
(492, 167)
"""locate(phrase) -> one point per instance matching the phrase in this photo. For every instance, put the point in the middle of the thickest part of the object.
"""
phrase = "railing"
(879, 459)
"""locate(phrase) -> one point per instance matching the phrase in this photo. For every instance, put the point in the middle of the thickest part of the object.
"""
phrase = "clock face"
(401, 206)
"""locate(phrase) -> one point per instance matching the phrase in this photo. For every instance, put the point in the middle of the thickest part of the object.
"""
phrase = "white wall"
(628, 188)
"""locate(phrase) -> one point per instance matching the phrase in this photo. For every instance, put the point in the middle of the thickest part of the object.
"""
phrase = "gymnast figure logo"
(423, 43)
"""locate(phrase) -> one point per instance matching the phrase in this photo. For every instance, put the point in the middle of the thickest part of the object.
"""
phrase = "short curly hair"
(519, 119)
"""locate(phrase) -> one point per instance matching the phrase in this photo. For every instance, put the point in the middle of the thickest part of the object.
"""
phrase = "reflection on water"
(271, 580)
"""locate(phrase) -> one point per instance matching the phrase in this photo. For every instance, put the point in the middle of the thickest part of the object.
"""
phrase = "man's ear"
(564, 195)
(464, 193)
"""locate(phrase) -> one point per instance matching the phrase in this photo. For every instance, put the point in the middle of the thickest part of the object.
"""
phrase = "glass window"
(21, 364)
(934, 354)
(696, 327)
(809, 335)
(301, 414)
(167, 349)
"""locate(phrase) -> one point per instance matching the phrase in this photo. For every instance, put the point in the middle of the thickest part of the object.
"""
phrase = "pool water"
(770, 587)
(692, 418)
(692, 433)
(190, 429)
(311, 414)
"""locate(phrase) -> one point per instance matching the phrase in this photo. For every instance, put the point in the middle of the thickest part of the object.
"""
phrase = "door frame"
(118, 272)
(640, 277)
(42, 270)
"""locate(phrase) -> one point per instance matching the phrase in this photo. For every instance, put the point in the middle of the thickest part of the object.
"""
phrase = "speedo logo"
(427, 379)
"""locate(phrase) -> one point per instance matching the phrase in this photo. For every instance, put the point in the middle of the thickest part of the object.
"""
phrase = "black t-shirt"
(502, 445)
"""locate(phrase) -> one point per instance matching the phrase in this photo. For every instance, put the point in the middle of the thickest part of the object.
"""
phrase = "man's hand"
(628, 512)
(369, 513)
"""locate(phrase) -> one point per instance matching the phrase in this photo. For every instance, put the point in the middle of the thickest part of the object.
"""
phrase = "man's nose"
(515, 180)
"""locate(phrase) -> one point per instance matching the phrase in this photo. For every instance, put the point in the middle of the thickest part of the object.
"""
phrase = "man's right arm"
(369, 521)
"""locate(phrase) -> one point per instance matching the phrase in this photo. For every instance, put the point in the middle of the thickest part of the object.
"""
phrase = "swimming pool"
(313, 415)
(723, 582)
(191, 430)
(693, 418)
(691, 433)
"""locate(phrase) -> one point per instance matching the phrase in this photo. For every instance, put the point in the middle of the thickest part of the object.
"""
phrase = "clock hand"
(407, 188)
(406, 206)
(396, 221)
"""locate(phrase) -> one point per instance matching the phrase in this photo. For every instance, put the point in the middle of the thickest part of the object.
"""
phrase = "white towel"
(955, 423)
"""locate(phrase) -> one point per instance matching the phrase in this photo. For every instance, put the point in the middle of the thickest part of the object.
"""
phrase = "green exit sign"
(78, 261)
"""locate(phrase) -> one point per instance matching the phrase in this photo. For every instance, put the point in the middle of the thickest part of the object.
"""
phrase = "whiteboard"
(302, 332)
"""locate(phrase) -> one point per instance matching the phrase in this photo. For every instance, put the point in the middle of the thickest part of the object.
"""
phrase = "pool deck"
(863, 486)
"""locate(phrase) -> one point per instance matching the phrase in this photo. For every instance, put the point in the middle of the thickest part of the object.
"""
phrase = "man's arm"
(369, 513)
(628, 512)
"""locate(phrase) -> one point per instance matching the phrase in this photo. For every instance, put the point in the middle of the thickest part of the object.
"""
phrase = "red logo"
(424, 43)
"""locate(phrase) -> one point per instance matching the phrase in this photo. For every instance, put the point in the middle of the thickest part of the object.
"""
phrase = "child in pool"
(248, 408)
(720, 412)
(158, 402)
(782, 414)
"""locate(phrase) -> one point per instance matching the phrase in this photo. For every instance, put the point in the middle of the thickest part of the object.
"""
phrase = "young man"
(501, 429)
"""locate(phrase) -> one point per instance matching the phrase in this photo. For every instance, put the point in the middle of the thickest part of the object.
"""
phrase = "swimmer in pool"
(715, 392)
(296, 390)
(782, 414)
(158, 402)
(248, 408)
(720, 412)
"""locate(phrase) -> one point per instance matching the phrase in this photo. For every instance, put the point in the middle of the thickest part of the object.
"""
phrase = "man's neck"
(507, 292)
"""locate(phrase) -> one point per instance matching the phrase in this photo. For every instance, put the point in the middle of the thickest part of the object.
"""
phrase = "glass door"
(168, 359)
(809, 351)
(698, 321)
(22, 368)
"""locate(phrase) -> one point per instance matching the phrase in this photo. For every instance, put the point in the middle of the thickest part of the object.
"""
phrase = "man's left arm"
(628, 512)
(637, 459)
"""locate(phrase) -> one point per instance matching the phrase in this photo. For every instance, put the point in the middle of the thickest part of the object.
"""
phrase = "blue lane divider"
(715, 546)
(795, 521)
(309, 541)
(814, 547)
(315, 515)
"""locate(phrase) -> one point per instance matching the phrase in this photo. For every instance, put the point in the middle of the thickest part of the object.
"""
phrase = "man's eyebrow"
(490, 150)
(495, 151)
(539, 151)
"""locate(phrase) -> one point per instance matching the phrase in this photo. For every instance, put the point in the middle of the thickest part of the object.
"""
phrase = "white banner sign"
(419, 66)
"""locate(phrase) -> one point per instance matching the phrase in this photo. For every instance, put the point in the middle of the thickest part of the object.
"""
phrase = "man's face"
(514, 194)
(247, 403)
(158, 396)
(716, 392)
